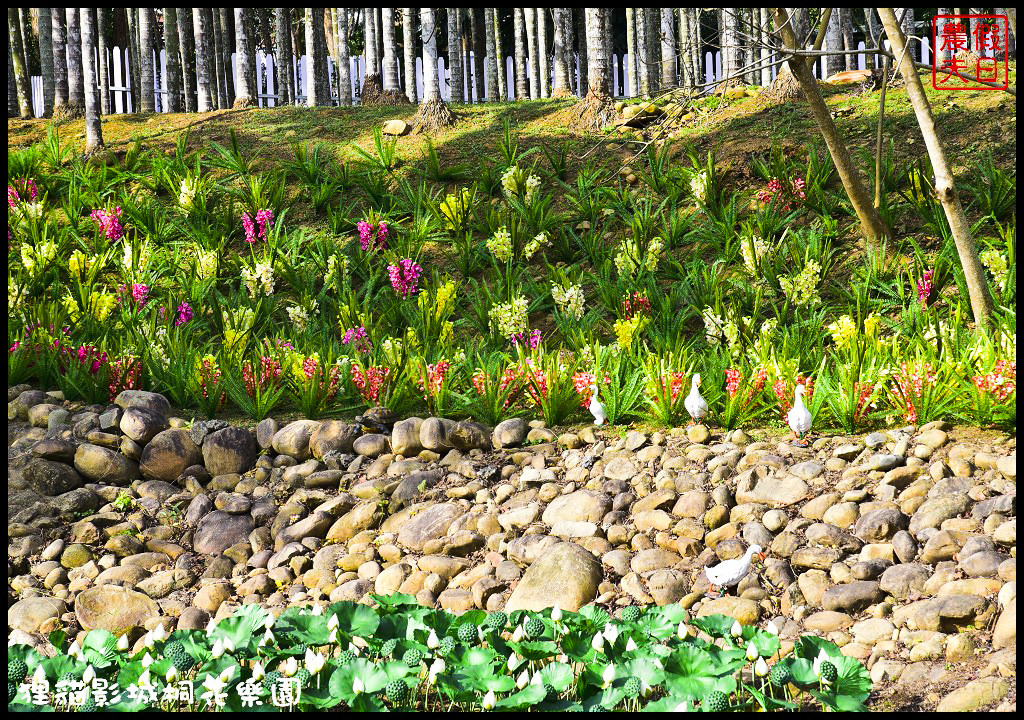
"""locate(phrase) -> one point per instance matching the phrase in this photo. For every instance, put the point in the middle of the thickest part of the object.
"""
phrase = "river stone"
(566, 576)
(362, 517)
(667, 585)
(28, 614)
(653, 559)
(220, 530)
(746, 611)
(905, 580)
(231, 450)
(510, 433)
(141, 425)
(104, 466)
(113, 608)
(371, 445)
(880, 525)
(778, 491)
(405, 437)
(851, 597)
(527, 549)
(293, 439)
(168, 454)
(430, 524)
(395, 127)
(934, 511)
(466, 435)
(332, 436)
(50, 478)
(434, 434)
(975, 694)
(154, 402)
(266, 429)
(580, 506)
(620, 468)
(1005, 633)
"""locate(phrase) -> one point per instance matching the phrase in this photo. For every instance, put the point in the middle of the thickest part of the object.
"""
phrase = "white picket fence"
(119, 68)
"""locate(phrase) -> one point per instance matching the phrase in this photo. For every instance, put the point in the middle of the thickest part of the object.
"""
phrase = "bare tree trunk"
(500, 65)
(17, 51)
(13, 109)
(245, 93)
(833, 42)
(668, 49)
(93, 127)
(491, 73)
(945, 189)
(282, 54)
(60, 60)
(134, 59)
(434, 114)
(46, 59)
(478, 28)
(530, 26)
(455, 55)
(173, 60)
(146, 95)
(598, 109)
(652, 17)
(102, 47)
(409, 52)
(318, 92)
(187, 45)
(765, 25)
(203, 31)
(519, 45)
(76, 92)
(344, 63)
(563, 86)
(845, 21)
(372, 86)
(643, 86)
(871, 224)
(582, 49)
(543, 58)
(225, 33)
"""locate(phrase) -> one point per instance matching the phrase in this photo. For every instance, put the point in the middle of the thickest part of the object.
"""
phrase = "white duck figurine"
(730, 572)
(696, 405)
(596, 407)
(799, 418)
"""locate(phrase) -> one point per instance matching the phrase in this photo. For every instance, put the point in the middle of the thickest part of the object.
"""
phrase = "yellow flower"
(626, 330)
(447, 333)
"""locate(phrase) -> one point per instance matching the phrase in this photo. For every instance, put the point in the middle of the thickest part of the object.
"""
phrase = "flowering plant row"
(398, 655)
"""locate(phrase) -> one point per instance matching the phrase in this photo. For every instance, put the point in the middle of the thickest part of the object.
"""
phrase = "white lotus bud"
(598, 642)
(218, 648)
(332, 622)
(737, 629)
(159, 634)
(211, 626)
(432, 642)
(269, 622)
(314, 661)
(523, 680)
(144, 679)
(517, 634)
(171, 675)
(682, 632)
(630, 645)
(123, 643)
(556, 613)
(760, 667)
(537, 679)
(290, 666)
(608, 676)
(332, 636)
(772, 628)
(39, 676)
(752, 653)
(89, 675)
(437, 667)
(514, 661)
(258, 671)
(147, 660)
(317, 610)
(357, 686)
(611, 633)
(489, 700)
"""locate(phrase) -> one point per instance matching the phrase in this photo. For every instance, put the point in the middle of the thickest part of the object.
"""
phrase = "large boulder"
(154, 402)
(405, 437)
(50, 478)
(428, 525)
(332, 436)
(580, 506)
(293, 439)
(566, 575)
(220, 530)
(113, 608)
(168, 454)
(104, 465)
(28, 614)
(141, 425)
(231, 450)
(509, 433)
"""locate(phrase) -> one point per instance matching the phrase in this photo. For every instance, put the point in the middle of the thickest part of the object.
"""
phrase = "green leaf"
(528, 696)
(100, 648)
(558, 675)
(342, 680)
(769, 703)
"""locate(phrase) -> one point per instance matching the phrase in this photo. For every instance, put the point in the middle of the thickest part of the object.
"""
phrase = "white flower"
(736, 629)
(211, 626)
(608, 676)
(760, 667)
(145, 679)
(514, 661)
(89, 675)
(357, 686)
(290, 666)
(682, 632)
(258, 671)
(822, 658)
(523, 680)
(752, 653)
(436, 668)
(267, 639)
(611, 633)
(317, 609)
(75, 651)
(489, 700)
(314, 661)
(772, 628)
(214, 684)
(218, 648)
(537, 679)
(556, 613)
(432, 642)
(39, 676)
(598, 642)
(172, 675)
(517, 634)
(269, 622)
(147, 660)
(630, 645)
(332, 622)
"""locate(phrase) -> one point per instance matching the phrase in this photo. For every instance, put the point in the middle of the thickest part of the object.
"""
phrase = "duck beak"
(761, 556)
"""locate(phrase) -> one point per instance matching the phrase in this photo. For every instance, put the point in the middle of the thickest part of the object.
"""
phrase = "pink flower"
(405, 277)
(19, 189)
(371, 238)
(110, 223)
(185, 313)
(925, 286)
(359, 338)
